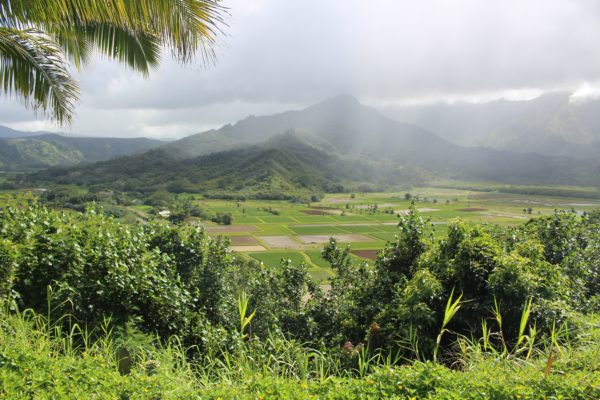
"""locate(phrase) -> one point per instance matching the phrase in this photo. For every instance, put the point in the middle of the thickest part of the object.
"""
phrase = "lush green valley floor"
(268, 231)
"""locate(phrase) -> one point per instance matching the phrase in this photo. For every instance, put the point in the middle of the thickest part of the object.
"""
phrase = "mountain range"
(22, 151)
(554, 124)
(338, 144)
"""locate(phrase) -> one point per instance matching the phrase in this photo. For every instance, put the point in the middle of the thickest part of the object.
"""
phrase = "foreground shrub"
(39, 360)
(161, 278)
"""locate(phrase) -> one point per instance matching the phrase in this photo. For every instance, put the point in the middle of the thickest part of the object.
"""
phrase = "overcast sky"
(285, 54)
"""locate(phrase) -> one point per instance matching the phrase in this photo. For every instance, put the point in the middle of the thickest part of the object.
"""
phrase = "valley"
(272, 230)
(337, 145)
(195, 205)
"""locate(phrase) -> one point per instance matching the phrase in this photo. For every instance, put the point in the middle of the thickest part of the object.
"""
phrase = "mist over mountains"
(551, 124)
(335, 145)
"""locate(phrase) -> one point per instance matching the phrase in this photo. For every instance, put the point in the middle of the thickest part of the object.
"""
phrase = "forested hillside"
(27, 150)
(337, 144)
(285, 167)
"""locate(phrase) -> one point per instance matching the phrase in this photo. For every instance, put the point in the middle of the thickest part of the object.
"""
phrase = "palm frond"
(37, 36)
(32, 67)
(139, 51)
(184, 26)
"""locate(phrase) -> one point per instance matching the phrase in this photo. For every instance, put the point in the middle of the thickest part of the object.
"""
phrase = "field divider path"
(342, 229)
(309, 261)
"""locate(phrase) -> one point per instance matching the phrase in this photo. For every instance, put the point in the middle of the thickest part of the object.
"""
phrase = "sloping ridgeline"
(26, 150)
(338, 143)
(284, 167)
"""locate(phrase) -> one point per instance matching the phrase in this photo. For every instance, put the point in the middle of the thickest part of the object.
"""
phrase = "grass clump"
(39, 359)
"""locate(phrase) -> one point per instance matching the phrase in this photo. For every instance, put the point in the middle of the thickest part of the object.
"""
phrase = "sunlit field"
(268, 231)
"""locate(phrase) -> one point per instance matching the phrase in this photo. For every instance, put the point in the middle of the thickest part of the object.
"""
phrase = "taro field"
(268, 231)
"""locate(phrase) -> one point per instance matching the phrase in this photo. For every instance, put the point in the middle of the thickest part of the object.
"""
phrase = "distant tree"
(222, 218)
(407, 196)
(39, 38)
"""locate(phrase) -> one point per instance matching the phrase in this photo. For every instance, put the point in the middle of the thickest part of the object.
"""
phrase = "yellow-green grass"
(361, 228)
(275, 258)
(318, 268)
(273, 229)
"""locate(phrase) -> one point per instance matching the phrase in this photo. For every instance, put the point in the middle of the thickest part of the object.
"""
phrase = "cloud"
(290, 53)
(586, 92)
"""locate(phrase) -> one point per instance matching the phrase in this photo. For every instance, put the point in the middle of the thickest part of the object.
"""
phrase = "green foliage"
(37, 360)
(162, 278)
(244, 324)
(509, 270)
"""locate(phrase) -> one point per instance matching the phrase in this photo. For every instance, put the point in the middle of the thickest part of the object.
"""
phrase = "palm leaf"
(37, 36)
(139, 51)
(33, 68)
(184, 26)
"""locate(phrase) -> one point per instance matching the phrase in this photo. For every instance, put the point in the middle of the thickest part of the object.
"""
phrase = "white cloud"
(586, 92)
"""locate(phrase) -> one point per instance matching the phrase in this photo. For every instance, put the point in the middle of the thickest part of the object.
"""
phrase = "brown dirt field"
(243, 241)
(316, 212)
(230, 228)
(353, 237)
(472, 209)
(369, 254)
(281, 242)
(381, 205)
(242, 249)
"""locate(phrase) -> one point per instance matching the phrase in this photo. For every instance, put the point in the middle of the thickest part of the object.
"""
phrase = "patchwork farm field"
(269, 231)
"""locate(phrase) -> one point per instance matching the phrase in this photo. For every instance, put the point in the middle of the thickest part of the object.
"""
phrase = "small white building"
(165, 213)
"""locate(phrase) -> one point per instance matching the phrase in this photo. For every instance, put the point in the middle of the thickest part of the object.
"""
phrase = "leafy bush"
(552, 262)
(165, 279)
(175, 280)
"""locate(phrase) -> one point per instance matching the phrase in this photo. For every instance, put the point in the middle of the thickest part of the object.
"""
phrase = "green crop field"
(269, 230)
(366, 221)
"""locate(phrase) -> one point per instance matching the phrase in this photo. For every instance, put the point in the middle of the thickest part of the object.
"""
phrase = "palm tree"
(39, 39)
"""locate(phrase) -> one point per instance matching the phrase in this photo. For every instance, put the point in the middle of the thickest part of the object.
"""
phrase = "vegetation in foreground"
(39, 359)
(482, 312)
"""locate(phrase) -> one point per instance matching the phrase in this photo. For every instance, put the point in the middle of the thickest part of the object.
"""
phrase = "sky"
(277, 55)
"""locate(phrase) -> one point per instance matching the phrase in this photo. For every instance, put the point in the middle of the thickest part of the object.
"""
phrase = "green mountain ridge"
(286, 166)
(26, 151)
(339, 123)
(335, 145)
(33, 153)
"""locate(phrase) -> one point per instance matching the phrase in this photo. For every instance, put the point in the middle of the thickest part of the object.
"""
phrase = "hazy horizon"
(278, 56)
